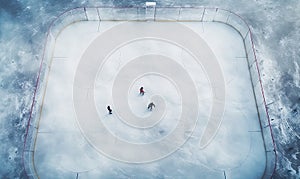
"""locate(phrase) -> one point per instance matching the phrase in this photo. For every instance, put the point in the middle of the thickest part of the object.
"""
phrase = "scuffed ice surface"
(276, 27)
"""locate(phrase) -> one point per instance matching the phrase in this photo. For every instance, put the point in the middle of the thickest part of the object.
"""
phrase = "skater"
(142, 92)
(109, 110)
(150, 106)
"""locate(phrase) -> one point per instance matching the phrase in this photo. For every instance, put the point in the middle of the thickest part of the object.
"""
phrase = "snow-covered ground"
(276, 30)
(79, 141)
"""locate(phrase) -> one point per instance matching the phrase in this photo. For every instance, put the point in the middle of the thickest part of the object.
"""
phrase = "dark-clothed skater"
(150, 106)
(142, 92)
(109, 110)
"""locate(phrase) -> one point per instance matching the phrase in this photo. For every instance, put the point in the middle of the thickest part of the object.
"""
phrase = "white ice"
(237, 151)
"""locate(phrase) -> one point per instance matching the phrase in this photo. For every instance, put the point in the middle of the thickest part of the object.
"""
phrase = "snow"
(67, 145)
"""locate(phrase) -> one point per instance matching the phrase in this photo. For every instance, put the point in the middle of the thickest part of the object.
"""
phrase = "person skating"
(142, 92)
(150, 106)
(109, 110)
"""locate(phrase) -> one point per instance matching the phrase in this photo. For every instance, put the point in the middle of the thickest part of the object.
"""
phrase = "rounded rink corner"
(196, 64)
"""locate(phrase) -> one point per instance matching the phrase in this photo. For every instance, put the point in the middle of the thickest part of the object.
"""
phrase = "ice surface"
(62, 149)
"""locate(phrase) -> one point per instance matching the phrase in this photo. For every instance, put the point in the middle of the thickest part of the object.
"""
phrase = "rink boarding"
(63, 148)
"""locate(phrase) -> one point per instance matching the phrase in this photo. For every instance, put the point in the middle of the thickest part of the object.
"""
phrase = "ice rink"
(196, 130)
